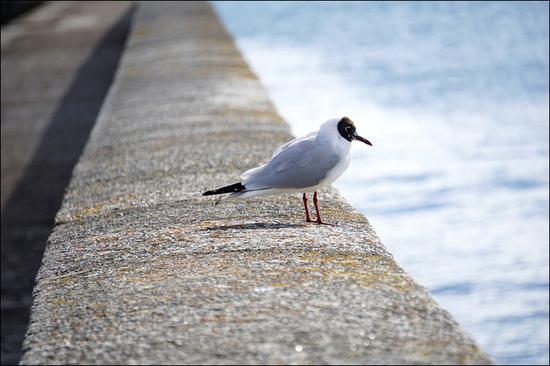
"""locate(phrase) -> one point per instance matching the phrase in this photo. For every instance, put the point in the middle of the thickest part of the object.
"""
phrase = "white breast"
(342, 147)
(337, 171)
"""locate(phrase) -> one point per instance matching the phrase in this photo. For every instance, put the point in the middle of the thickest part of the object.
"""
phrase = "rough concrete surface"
(142, 269)
(57, 65)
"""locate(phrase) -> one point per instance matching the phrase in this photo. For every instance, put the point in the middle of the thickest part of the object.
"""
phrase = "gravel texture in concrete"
(142, 269)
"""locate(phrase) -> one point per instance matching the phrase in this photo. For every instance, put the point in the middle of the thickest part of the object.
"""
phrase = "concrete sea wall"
(141, 268)
(58, 62)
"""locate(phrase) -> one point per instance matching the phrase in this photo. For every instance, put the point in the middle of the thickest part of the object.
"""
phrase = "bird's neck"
(338, 143)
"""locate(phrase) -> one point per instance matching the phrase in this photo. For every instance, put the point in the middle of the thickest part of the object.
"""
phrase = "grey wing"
(297, 140)
(299, 165)
(249, 174)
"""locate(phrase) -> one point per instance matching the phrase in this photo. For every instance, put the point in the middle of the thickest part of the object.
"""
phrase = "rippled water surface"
(454, 97)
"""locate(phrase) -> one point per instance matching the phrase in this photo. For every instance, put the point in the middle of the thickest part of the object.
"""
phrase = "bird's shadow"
(253, 226)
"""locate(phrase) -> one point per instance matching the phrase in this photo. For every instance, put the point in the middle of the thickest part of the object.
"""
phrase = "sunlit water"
(454, 98)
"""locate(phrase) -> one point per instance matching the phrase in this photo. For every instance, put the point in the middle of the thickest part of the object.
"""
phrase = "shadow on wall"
(28, 214)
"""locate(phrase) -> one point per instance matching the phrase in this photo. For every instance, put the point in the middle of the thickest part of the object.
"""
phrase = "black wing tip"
(237, 187)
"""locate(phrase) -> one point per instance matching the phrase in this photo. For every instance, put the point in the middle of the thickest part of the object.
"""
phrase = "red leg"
(308, 219)
(319, 221)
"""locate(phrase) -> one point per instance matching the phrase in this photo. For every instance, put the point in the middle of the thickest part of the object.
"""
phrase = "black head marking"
(346, 128)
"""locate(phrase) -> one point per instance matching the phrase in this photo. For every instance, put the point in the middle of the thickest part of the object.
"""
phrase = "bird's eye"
(348, 129)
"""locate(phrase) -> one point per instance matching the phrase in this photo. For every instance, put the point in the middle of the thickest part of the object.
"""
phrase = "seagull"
(305, 164)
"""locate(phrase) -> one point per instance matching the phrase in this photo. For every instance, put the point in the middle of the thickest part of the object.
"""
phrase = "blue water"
(454, 97)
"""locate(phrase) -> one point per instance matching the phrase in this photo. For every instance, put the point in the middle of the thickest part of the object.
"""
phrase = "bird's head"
(347, 130)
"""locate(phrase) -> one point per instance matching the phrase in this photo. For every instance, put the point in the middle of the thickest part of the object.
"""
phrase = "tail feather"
(233, 188)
